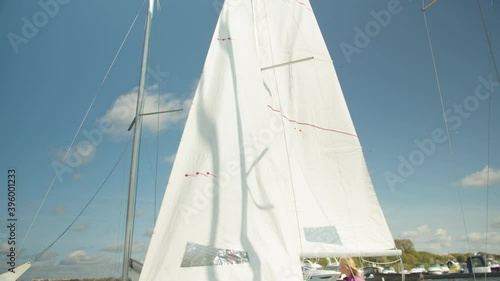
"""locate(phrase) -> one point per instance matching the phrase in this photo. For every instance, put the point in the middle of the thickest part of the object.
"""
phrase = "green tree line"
(412, 257)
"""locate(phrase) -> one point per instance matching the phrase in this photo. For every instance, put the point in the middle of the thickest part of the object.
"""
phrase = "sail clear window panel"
(199, 255)
(322, 234)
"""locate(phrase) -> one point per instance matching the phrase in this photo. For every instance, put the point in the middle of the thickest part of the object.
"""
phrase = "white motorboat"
(435, 269)
(418, 268)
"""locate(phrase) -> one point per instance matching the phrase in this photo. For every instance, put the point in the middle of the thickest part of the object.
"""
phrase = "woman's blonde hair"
(349, 262)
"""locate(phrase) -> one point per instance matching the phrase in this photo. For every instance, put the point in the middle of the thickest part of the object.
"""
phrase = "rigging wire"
(399, 260)
(104, 79)
(488, 38)
(86, 205)
(492, 63)
(120, 233)
(79, 128)
(157, 149)
(452, 155)
(157, 136)
(363, 261)
(123, 42)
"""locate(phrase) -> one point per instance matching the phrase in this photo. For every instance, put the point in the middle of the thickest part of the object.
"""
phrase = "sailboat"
(269, 169)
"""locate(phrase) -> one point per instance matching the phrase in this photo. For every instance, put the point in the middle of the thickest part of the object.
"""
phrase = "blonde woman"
(349, 269)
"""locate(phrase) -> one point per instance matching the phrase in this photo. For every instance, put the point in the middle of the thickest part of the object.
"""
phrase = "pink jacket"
(353, 277)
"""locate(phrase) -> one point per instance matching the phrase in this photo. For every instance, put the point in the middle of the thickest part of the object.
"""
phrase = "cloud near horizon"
(138, 247)
(482, 242)
(47, 256)
(429, 240)
(480, 178)
(496, 222)
(122, 112)
(81, 257)
(439, 241)
(493, 237)
(4, 248)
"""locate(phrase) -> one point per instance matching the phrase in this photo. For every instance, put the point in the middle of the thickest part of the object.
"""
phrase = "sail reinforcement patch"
(199, 255)
(322, 234)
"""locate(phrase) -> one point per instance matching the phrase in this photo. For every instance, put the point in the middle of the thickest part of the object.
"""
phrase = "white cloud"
(117, 120)
(148, 233)
(422, 232)
(442, 235)
(121, 114)
(81, 153)
(480, 178)
(496, 222)
(139, 213)
(194, 85)
(138, 247)
(47, 256)
(439, 241)
(476, 242)
(58, 211)
(426, 239)
(170, 159)
(81, 257)
(81, 228)
(115, 247)
(493, 237)
(4, 248)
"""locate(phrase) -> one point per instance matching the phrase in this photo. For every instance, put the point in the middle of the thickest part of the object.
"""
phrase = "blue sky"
(55, 54)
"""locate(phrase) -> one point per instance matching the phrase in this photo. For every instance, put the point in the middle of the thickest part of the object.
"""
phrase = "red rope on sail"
(311, 125)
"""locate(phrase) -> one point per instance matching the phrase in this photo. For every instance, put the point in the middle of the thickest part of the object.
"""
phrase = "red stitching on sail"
(310, 125)
(200, 174)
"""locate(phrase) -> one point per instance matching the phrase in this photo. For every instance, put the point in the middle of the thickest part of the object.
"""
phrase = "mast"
(135, 149)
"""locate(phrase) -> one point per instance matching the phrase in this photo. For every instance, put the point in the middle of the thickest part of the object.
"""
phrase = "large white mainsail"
(268, 158)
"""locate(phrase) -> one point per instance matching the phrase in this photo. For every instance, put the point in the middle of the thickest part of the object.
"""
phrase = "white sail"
(15, 273)
(269, 167)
